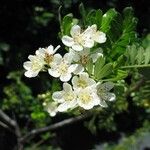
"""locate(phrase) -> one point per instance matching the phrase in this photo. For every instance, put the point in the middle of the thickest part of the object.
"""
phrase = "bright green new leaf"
(107, 18)
(66, 24)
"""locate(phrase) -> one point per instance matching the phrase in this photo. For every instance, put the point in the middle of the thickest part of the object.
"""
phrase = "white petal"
(65, 77)
(31, 74)
(40, 51)
(111, 97)
(50, 49)
(63, 107)
(100, 37)
(103, 103)
(31, 57)
(85, 106)
(68, 58)
(27, 65)
(75, 55)
(74, 81)
(54, 73)
(95, 56)
(68, 41)
(57, 59)
(89, 43)
(88, 33)
(67, 87)
(57, 96)
(73, 103)
(75, 30)
(107, 86)
(77, 47)
(84, 76)
(85, 52)
(79, 69)
(72, 68)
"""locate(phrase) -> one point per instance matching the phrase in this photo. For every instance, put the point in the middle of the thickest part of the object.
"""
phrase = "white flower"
(34, 66)
(103, 92)
(82, 81)
(62, 67)
(83, 57)
(51, 108)
(47, 53)
(66, 97)
(86, 39)
(98, 36)
(88, 98)
(78, 39)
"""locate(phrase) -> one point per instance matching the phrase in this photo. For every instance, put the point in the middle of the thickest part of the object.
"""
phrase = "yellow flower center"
(78, 39)
(82, 83)
(69, 96)
(85, 97)
(36, 65)
(63, 67)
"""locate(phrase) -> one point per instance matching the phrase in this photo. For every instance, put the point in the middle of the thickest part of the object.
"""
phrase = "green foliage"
(137, 55)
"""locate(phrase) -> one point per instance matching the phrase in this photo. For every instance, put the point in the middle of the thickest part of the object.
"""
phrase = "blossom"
(47, 53)
(82, 81)
(51, 108)
(98, 36)
(62, 67)
(103, 92)
(80, 40)
(87, 98)
(67, 98)
(34, 66)
(83, 57)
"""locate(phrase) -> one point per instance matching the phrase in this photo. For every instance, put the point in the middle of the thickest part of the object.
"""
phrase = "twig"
(54, 126)
(7, 119)
(4, 125)
(14, 124)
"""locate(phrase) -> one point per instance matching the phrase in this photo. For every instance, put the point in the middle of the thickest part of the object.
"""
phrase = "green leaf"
(66, 24)
(140, 55)
(98, 66)
(89, 66)
(147, 55)
(105, 71)
(82, 12)
(107, 18)
(130, 21)
(90, 18)
(120, 61)
(98, 18)
(131, 53)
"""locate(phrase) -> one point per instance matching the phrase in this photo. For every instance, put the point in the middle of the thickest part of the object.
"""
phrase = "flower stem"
(135, 66)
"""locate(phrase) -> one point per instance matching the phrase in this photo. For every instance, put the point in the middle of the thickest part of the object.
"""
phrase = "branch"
(7, 119)
(54, 126)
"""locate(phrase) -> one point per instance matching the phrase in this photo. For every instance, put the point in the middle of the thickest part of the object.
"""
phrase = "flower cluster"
(79, 88)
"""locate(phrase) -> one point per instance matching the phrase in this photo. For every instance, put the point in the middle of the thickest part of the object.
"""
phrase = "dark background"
(23, 33)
